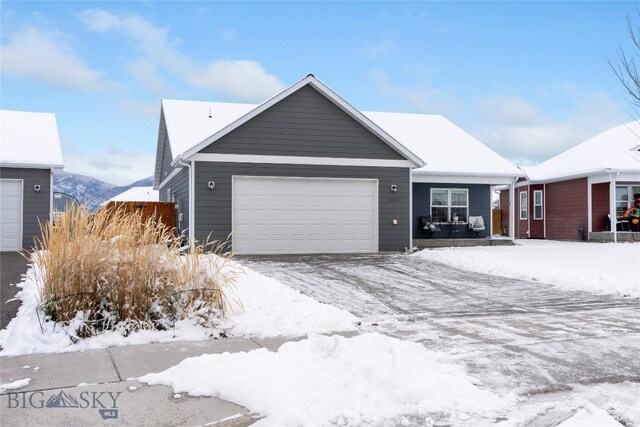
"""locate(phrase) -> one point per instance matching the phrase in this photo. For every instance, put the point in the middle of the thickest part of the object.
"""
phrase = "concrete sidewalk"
(99, 382)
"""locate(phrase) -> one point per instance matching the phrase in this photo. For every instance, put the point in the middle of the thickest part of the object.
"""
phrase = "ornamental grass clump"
(112, 270)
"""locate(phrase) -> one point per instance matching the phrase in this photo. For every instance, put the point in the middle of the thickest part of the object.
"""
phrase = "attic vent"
(210, 112)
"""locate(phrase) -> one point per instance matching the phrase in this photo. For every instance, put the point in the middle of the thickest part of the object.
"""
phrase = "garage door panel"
(11, 208)
(304, 215)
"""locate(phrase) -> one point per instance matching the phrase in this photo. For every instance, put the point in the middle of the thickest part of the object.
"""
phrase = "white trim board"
(169, 177)
(297, 160)
(460, 179)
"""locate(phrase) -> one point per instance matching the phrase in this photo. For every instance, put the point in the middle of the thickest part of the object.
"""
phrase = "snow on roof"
(137, 194)
(191, 122)
(444, 147)
(29, 139)
(617, 149)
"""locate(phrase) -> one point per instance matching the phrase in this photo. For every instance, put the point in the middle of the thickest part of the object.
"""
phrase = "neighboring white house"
(29, 152)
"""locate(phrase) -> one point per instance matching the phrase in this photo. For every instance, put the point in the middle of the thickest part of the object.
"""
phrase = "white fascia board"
(298, 160)
(311, 80)
(169, 177)
(31, 166)
(599, 175)
(462, 179)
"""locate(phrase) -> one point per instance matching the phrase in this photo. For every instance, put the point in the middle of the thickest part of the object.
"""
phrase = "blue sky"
(529, 79)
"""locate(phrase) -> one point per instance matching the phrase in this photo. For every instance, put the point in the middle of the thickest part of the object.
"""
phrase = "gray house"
(303, 172)
(29, 152)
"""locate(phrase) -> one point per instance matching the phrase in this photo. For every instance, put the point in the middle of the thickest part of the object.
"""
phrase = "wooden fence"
(163, 212)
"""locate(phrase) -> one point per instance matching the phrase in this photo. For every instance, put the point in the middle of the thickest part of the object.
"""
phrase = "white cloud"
(524, 133)
(44, 56)
(242, 80)
(113, 164)
(147, 75)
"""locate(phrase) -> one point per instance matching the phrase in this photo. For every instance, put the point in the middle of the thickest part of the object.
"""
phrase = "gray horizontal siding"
(306, 124)
(213, 207)
(36, 205)
(479, 204)
(167, 158)
(179, 184)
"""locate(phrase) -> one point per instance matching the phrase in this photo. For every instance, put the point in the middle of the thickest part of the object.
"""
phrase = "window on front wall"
(537, 204)
(624, 197)
(524, 205)
(447, 203)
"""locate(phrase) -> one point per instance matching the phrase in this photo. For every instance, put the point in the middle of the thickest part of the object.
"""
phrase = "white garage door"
(304, 215)
(10, 214)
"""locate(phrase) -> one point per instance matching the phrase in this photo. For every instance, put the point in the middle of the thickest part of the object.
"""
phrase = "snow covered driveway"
(512, 334)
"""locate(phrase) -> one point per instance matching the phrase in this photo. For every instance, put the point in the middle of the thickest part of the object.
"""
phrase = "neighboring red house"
(573, 195)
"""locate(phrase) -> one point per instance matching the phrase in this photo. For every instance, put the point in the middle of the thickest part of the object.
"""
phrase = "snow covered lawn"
(608, 268)
(268, 309)
(369, 379)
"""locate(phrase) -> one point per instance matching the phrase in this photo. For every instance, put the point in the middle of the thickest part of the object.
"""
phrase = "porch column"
(612, 207)
(512, 209)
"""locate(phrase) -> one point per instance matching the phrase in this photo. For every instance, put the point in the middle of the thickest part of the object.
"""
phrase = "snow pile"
(608, 268)
(590, 416)
(269, 309)
(370, 379)
(272, 309)
(15, 385)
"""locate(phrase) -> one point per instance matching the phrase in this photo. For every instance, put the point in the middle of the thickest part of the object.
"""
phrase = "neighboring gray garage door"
(304, 215)
(10, 214)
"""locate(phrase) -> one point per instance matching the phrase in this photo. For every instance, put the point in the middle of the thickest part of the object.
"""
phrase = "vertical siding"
(479, 204)
(306, 124)
(566, 208)
(599, 206)
(36, 205)
(214, 207)
(537, 225)
(504, 212)
(179, 184)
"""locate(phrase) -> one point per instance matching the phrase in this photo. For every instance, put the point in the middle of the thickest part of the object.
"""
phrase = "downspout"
(51, 195)
(191, 201)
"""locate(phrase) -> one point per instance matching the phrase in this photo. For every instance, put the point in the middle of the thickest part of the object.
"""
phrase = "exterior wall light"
(211, 185)
(394, 188)
(36, 188)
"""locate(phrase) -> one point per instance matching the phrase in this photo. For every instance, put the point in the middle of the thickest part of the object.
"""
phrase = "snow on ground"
(590, 416)
(15, 385)
(608, 268)
(269, 309)
(370, 379)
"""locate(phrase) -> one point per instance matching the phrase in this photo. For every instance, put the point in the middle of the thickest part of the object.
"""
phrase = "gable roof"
(29, 140)
(447, 149)
(192, 125)
(615, 150)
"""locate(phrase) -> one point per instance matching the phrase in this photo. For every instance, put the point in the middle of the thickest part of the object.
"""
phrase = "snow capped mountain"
(91, 191)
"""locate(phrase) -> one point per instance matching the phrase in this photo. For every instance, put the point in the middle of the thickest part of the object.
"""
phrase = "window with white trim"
(447, 203)
(537, 204)
(624, 197)
(524, 205)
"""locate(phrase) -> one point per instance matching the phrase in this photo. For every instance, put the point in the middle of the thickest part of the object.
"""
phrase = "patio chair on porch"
(620, 225)
(476, 224)
(428, 226)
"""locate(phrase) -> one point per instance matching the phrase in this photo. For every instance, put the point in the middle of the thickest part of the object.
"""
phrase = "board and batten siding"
(566, 208)
(213, 208)
(180, 185)
(36, 206)
(479, 205)
(305, 124)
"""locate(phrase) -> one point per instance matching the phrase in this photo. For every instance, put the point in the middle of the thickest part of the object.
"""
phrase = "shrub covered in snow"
(113, 271)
